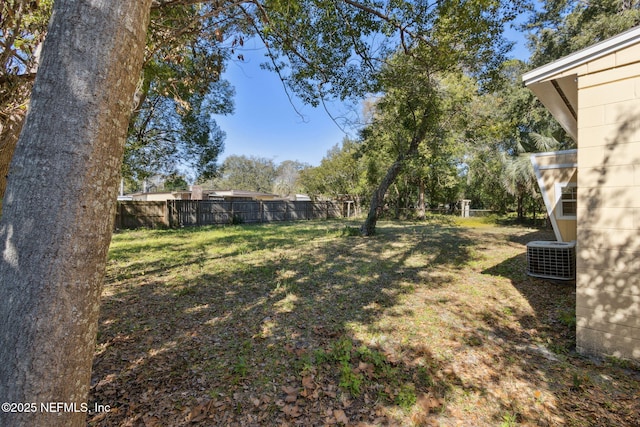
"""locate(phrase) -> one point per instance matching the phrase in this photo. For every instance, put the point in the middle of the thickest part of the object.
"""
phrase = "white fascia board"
(535, 156)
(560, 97)
(583, 56)
(555, 153)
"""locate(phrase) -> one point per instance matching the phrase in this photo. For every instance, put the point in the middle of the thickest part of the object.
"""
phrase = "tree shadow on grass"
(316, 329)
(172, 249)
(546, 344)
(238, 335)
(534, 234)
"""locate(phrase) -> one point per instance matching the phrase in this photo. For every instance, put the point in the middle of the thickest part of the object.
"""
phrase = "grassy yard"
(430, 323)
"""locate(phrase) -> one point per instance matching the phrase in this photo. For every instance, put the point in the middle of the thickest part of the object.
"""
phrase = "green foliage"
(341, 350)
(508, 125)
(175, 182)
(239, 369)
(579, 380)
(349, 231)
(350, 380)
(509, 419)
(420, 126)
(23, 27)
(622, 363)
(406, 397)
(179, 93)
(568, 318)
(287, 180)
(370, 356)
(320, 356)
(341, 172)
(409, 53)
(362, 368)
(338, 49)
(179, 90)
(396, 339)
(248, 173)
(561, 27)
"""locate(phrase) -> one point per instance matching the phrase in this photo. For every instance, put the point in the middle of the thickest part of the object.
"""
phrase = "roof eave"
(583, 56)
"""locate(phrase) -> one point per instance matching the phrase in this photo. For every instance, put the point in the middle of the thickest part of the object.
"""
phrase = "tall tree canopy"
(190, 41)
(561, 27)
(339, 174)
(178, 91)
(453, 39)
(287, 180)
(337, 49)
(247, 173)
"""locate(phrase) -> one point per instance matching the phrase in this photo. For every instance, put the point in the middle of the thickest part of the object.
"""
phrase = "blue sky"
(266, 124)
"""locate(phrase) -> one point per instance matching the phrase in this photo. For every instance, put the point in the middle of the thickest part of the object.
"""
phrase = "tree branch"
(8, 78)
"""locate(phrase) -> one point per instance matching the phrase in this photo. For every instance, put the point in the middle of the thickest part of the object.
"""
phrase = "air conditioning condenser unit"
(551, 260)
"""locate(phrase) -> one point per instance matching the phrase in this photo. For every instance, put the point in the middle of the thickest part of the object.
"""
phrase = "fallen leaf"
(292, 394)
(291, 398)
(197, 413)
(292, 411)
(340, 416)
(330, 421)
(289, 389)
(152, 422)
(307, 382)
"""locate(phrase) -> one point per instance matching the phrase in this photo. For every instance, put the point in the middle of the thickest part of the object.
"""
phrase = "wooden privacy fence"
(189, 213)
(141, 215)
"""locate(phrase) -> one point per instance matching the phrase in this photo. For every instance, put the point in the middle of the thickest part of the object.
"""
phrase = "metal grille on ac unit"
(551, 260)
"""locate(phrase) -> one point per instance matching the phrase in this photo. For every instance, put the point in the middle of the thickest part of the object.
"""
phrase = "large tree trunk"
(377, 198)
(59, 204)
(368, 228)
(398, 206)
(421, 206)
(520, 206)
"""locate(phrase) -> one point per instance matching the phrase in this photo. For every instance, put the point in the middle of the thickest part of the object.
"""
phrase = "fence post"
(170, 214)
(118, 219)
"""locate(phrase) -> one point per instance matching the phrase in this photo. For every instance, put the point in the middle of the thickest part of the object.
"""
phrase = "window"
(567, 194)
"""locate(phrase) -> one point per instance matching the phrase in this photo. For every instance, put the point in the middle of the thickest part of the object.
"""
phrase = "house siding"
(567, 229)
(608, 248)
(551, 169)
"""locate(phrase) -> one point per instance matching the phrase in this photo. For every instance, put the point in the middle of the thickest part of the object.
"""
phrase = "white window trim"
(558, 190)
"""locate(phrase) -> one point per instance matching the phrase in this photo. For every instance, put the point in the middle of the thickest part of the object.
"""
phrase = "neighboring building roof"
(240, 193)
(555, 83)
(231, 194)
(158, 193)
